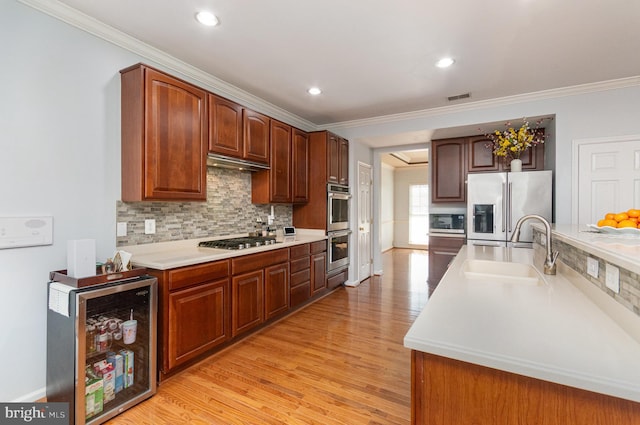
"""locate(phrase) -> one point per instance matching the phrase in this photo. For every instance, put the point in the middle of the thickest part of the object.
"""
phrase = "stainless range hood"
(222, 161)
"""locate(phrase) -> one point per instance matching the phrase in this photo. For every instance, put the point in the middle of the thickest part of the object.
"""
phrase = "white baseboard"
(351, 283)
(38, 394)
(378, 272)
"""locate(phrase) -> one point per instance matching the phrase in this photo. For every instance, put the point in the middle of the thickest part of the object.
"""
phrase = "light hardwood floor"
(340, 360)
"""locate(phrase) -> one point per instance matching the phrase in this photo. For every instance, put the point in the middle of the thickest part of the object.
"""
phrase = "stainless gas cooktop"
(239, 243)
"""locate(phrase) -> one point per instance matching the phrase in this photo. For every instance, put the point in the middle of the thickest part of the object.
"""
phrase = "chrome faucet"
(550, 260)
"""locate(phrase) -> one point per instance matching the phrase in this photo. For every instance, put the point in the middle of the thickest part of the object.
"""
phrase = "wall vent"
(459, 96)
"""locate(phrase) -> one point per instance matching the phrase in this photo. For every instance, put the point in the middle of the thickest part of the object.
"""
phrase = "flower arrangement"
(511, 142)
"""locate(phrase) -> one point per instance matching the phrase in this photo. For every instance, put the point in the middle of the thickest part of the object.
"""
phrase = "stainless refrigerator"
(495, 202)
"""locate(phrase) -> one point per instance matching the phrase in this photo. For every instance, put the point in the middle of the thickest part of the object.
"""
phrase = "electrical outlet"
(121, 228)
(149, 227)
(612, 278)
(592, 267)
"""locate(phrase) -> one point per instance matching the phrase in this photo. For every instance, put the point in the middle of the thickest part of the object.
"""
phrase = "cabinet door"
(164, 137)
(343, 159)
(318, 273)
(448, 172)
(481, 157)
(333, 158)
(280, 172)
(199, 319)
(247, 302)
(256, 136)
(276, 290)
(225, 127)
(299, 166)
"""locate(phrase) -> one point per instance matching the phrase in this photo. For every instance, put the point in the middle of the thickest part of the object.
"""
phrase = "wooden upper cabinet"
(337, 159)
(343, 160)
(225, 127)
(481, 157)
(287, 179)
(299, 166)
(280, 172)
(164, 137)
(333, 158)
(448, 172)
(256, 130)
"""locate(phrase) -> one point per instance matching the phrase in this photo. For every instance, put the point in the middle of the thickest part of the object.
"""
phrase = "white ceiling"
(376, 57)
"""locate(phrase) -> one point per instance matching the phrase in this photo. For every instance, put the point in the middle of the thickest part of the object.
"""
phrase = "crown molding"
(209, 82)
(489, 103)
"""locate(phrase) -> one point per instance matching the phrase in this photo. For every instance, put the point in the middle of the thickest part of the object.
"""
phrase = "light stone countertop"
(169, 255)
(619, 249)
(554, 332)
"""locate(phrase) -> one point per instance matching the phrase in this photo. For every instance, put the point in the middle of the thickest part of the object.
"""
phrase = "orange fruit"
(634, 219)
(609, 216)
(626, 223)
(606, 222)
(633, 213)
(620, 217)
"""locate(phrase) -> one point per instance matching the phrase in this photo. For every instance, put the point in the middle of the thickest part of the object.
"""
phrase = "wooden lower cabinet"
(204, 307)
(442, 250)
(198, 320)
(446, 391)
(276, 290)
(318, 273)
(247, 293)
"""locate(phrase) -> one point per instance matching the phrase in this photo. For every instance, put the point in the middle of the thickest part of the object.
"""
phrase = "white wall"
(387, 196)
(404, 178)
(60, 156)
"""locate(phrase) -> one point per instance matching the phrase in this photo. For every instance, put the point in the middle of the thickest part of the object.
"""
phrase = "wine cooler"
(101, 347)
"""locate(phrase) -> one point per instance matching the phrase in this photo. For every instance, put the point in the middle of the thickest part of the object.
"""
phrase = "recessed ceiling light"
(445, 63)
(207, 18)
(314, 91)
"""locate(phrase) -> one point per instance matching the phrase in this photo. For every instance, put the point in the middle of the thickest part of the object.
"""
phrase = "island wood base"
(446, 391)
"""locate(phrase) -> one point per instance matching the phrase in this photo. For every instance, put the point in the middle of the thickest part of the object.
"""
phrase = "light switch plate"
(592, 267)
(121, 228)
(149, 227)
(17, 232)
(612, 278)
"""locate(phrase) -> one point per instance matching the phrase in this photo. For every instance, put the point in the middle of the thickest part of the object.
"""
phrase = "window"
(418, 214)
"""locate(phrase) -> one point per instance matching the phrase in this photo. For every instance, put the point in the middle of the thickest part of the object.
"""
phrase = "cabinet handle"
(453, 254)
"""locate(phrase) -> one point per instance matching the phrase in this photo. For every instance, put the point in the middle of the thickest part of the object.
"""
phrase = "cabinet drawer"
(300, 277)
(441, 243)
(299, 294)
(299, 250)
(338, 279)
(317, 247)
(248, 263)
(299, 264)
(193, 275)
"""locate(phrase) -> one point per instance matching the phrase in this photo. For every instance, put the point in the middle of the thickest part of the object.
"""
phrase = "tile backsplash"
(227, 211)
(576, 259)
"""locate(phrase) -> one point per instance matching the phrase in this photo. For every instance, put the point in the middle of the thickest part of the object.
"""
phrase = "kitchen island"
(539, 350)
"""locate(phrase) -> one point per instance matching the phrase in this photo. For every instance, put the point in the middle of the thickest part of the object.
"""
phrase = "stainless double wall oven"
(338, 233)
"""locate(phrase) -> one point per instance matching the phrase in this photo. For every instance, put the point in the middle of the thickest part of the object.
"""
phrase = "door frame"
(575, 158)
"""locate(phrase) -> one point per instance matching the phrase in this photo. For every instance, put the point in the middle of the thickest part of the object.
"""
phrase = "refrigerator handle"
(509, 209)
(504, 199)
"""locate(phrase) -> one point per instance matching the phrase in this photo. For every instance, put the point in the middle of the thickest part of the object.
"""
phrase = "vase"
(516, 165)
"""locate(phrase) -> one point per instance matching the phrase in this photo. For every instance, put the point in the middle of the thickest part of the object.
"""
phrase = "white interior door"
(364, 221)
(608, 178)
